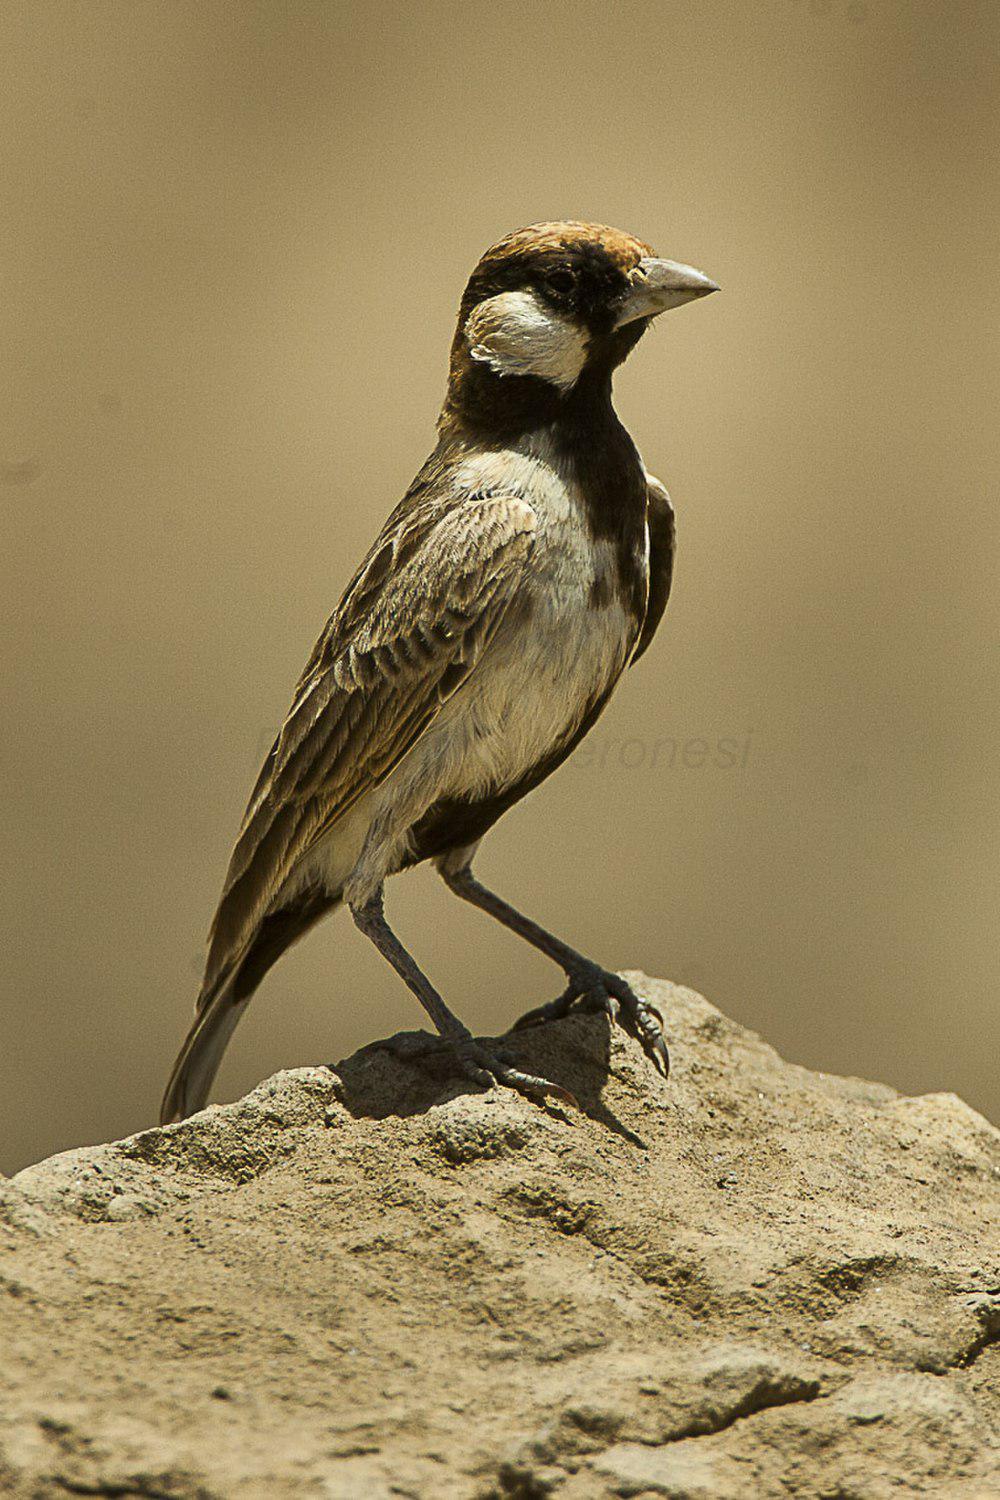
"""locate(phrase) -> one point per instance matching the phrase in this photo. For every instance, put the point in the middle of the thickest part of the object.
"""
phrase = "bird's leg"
(590, 986)
(475, 1060)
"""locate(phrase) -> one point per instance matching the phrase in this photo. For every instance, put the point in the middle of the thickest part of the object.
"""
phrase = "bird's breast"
(559, 649)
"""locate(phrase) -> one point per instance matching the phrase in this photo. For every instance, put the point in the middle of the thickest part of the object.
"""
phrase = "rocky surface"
(367, 1281)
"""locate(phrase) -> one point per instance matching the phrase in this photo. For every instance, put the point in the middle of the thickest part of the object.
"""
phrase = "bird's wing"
(406, 635)
(660, 520)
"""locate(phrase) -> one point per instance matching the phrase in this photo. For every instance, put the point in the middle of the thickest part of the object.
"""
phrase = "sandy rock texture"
(368, 1281)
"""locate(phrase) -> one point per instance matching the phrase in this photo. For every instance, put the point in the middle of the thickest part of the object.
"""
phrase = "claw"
(487, 1068)
(554, 1010)
(478, 1063)
(478, 1075)
(609, 1002)
(535, 1017)
(599, 991)
(657, 1050)
(538, 1089)
(652, 1037)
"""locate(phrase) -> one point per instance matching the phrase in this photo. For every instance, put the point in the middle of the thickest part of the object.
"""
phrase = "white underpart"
(516, 334)
(526, 695)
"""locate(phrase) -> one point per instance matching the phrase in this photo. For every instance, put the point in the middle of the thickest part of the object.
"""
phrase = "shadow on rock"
(408, 1073)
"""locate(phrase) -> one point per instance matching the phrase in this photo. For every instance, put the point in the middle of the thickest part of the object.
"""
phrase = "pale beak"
(657, 285)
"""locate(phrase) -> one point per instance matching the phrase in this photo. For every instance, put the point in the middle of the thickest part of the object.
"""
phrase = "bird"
(525, 569)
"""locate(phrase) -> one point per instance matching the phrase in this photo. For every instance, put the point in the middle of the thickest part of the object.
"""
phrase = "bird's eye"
(561, 281)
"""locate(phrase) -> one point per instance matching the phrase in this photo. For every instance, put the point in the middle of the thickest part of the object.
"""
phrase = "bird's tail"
(225, 996)
(199, 1058)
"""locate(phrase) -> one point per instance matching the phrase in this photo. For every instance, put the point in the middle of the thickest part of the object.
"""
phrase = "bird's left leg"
(589, 985)
(473, 1057)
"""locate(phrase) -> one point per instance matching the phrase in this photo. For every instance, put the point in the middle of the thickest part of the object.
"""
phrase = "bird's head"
(554, 307)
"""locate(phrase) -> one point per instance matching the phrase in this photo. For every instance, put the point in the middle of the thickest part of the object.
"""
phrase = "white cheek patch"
(516, 334)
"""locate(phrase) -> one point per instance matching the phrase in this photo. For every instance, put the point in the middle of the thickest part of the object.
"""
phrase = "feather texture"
(662, 544)
(410, 629)
(527, 565)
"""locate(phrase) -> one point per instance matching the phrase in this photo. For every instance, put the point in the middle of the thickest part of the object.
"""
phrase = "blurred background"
(232, 243)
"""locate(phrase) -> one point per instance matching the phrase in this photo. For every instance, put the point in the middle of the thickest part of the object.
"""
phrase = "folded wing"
(408, 632)
(660, 520)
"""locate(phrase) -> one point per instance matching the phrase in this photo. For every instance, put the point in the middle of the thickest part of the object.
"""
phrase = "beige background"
(232, 240)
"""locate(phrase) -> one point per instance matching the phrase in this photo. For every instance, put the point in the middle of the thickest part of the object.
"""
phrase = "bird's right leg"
(475, 1060)
(590, 985)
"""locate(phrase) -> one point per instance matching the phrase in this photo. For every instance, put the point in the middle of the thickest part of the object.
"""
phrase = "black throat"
(584, 436)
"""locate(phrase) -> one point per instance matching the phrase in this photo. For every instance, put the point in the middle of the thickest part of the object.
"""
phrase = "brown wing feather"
(660, 520)
(407, 633)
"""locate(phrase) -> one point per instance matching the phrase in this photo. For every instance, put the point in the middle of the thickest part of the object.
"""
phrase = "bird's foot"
(487, 1066)
(478, 1062)
(596, 989)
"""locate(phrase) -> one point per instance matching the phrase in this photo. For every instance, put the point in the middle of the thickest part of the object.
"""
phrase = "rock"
(372, 1281)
